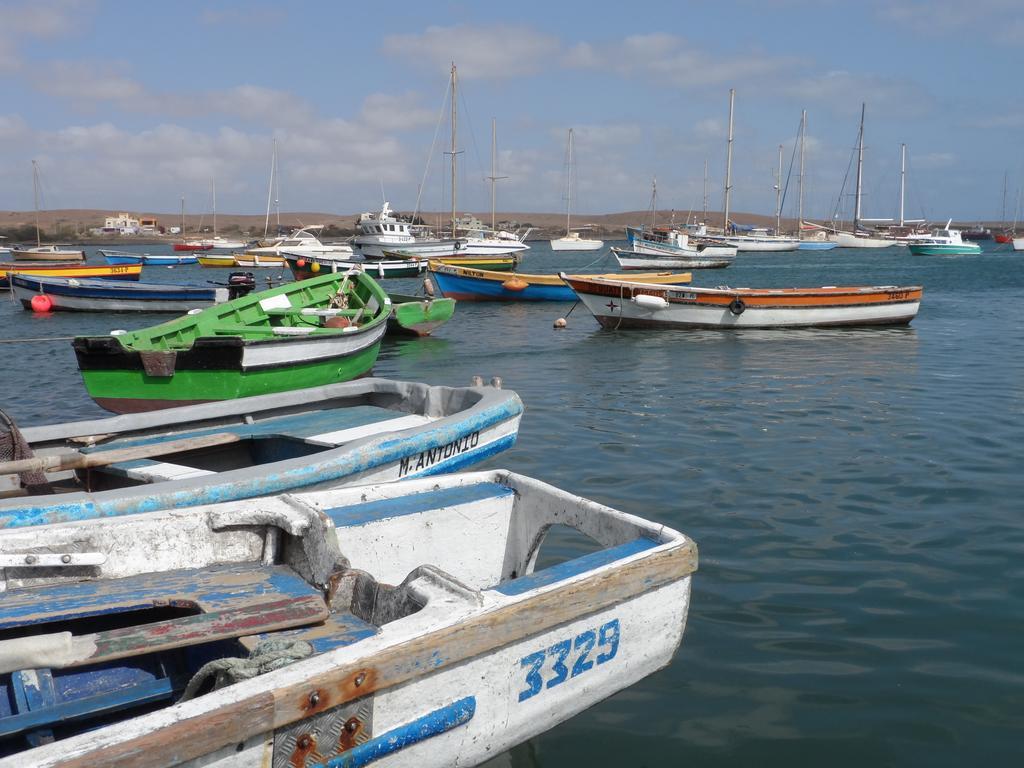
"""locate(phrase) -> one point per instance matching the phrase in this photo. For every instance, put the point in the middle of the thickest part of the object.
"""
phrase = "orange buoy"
(337, 322)
(515, 284)
(300, 263)
(41, 303)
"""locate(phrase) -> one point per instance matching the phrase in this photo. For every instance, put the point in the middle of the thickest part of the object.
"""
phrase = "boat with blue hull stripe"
(367, 431)
(394, 624)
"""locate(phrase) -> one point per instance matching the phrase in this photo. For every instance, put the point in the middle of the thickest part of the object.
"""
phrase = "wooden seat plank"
(207, 589)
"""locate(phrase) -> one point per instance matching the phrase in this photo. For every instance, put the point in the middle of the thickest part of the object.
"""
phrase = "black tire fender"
(736, 306)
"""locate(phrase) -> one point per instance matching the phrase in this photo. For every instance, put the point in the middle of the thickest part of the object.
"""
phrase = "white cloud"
(39, 20)
(13, 128)
(675, 60)
(497, 51)
(997, 19)
(843, 92)
(396, 112)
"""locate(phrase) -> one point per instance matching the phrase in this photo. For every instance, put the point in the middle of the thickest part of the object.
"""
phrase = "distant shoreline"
(76, 223)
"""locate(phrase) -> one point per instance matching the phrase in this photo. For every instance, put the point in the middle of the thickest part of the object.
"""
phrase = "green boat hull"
(944, 250)
(418, 316)
(132, 391)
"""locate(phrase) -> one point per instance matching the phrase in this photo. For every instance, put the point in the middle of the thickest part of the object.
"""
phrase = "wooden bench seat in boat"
(327, 428)
(125, 672)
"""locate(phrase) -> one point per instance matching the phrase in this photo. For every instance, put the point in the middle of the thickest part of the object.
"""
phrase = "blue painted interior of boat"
(34, 704)
(39, 705)
(298, 425)
(574, 567)
(359, 514)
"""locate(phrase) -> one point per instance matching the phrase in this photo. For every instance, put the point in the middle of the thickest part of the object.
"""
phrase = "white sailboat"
(217, 241)
(572, 241)
(43, 252)
(467, 236)
(859, 238)
(818, 240)
(757, 239)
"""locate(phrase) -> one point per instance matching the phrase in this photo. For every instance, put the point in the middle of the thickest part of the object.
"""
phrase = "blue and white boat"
(79, 294)
(466, 284)
(149, 259)
(404, 624)
(370, 430)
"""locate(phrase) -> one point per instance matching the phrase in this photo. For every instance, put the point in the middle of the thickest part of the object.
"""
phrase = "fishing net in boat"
(267, 656)
(13, 447)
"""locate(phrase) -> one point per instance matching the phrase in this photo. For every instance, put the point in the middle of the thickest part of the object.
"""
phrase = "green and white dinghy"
(311, 333)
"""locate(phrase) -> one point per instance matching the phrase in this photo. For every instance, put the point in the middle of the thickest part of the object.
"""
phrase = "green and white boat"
(311, 333)
(943, 242)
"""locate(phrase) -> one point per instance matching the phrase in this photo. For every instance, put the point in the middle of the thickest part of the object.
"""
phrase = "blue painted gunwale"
(575, 567)
(329, 467)
(381, 509)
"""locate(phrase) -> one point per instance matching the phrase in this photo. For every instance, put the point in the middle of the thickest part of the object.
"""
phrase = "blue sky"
(133, 105)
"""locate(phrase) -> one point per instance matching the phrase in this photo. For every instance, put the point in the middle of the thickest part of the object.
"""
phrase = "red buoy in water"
(41, 303)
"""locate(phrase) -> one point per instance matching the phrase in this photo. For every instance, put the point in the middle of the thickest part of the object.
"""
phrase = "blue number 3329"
(580, 649)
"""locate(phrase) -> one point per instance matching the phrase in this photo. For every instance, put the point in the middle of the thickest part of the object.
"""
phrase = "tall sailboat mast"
(860, 171)
(778, 195)
(213, 192)
(728, 164)
(1003, 220)
(903, 177)
(494, 168)
(568, 184)
(35, 200)
(182, 217)
(454, 117)
(270, 189)
(800, 179)
(705, 191)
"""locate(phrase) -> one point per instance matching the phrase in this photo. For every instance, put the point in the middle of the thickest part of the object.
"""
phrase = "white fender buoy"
(561, 323)
(651, 302)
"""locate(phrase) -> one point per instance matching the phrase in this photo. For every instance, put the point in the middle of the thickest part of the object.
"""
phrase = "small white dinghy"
(406, 623)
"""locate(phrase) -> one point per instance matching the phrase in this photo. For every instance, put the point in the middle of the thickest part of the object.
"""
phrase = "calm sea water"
(857, 496)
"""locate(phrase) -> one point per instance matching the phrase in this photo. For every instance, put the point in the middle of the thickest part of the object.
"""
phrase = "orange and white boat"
(621, 304)
(105, 271)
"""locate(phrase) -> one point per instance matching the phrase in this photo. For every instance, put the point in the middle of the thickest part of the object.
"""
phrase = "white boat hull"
(848, 240)
(493, 654)
(619, 305)
(658, 259)
(1018, 243)
(575, 244)
(761, 244)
